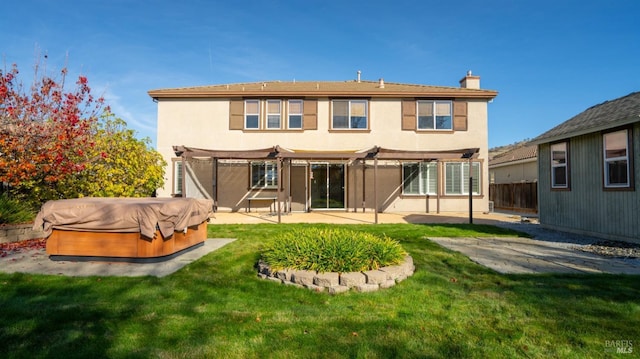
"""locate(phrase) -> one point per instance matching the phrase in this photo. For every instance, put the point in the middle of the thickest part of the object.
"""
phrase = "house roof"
(609, 114)
(519, 154)
(322, 89)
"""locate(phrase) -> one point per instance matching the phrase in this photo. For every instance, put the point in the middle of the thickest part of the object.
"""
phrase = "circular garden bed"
(334, 260)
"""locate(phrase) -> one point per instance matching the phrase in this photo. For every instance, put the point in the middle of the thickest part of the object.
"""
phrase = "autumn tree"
(43, 133)
(57, 144)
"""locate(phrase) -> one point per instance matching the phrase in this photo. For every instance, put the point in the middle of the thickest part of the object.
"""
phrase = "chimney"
(381, 83)
(470, 81)
(359, 73)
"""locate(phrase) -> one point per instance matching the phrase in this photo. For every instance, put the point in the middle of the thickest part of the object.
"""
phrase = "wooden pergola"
(279, 154)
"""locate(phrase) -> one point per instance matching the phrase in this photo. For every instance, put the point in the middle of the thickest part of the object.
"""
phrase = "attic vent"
(381, 83)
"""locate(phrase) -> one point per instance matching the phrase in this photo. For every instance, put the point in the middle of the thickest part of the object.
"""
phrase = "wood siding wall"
(587, 207)
(518, 197)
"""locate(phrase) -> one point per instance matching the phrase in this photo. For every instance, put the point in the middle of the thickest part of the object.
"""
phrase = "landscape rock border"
(335, 283)
(11, 233)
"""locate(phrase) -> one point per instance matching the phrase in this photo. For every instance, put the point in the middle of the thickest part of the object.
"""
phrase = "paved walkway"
(37, 262)
(523, 255)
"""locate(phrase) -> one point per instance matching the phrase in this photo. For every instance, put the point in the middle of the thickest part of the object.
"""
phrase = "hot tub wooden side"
(126, 245)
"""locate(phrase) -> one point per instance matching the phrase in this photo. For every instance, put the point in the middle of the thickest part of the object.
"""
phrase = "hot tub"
(151, 228)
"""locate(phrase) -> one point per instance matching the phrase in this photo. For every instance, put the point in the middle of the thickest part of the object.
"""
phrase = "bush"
(331, 250)
(14, 212)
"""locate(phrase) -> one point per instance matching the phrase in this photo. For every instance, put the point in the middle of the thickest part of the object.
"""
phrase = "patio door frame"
(327, 190)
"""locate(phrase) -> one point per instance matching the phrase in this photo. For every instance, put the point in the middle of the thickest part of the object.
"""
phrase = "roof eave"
(514, 162)
(585, 131)
(481, 94)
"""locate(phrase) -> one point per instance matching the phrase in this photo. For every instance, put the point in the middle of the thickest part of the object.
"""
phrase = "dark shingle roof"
(525, 152)
(609, 114)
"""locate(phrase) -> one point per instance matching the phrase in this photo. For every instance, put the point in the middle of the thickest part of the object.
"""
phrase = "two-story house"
(306, 146)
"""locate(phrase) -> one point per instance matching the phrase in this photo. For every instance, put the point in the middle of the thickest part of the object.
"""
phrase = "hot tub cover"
(142, 215)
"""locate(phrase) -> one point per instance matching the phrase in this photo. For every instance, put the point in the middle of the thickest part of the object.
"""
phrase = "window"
(252, 114)
(264, 174)
(177, 177)
(559, 169)
(273, 114)
(419, 178)
(295, 114)
(349, 114)
(456, 178)
(434, 115)
(616, 159)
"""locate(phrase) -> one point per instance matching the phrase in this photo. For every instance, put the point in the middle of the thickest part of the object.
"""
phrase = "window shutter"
(236, 114)
(310, 118)
(408, 115)
(460, 115)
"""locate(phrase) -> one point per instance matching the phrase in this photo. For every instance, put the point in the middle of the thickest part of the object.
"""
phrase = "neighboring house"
(513, 177)
(589, 173)
(303, 146)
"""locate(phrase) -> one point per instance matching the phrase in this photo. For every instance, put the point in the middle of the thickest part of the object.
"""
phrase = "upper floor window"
(273, 114)
(349, 114)
(419, 178)
(559, 165)
(295, 114)
(456, 178)
(264, 174)
(252, 114)
(616, 159)
(434, 115)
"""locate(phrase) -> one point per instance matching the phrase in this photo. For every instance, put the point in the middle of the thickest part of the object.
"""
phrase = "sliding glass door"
(327, 186)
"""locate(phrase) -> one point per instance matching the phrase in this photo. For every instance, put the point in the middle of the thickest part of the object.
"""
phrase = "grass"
(217, 307)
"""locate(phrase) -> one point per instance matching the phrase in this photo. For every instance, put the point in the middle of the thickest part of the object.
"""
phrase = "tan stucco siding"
(204, 123)
(519, 172)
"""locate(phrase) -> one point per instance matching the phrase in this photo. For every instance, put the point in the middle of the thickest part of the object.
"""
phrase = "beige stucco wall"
(525, 171)
(204, 123)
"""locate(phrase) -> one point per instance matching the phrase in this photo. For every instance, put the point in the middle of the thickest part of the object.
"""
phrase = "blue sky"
(549, 60)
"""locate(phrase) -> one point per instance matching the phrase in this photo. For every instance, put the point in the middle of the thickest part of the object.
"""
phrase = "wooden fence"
(517, 197)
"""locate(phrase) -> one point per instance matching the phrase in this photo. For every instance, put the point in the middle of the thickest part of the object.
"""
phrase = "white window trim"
(178, 177)
(421, 190)
(289, 114)
(349, 128)
(613, 159)
(267, 165)
(464, 180)
(435, 115)
(246, 113)
(565, 165)
(279, 114)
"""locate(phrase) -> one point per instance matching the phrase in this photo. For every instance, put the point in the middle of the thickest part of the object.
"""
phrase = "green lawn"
(217, 307)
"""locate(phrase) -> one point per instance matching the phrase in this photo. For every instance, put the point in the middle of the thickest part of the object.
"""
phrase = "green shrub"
(13, 212)
(331, 250)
